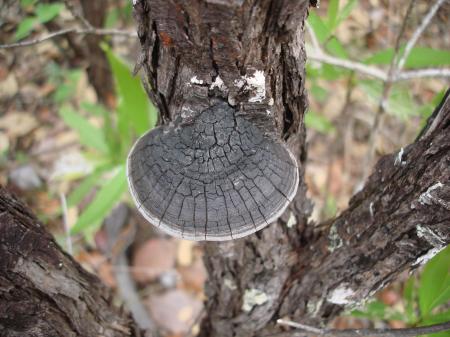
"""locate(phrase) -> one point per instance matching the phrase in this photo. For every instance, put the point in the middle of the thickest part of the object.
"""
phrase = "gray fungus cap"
(216, 177)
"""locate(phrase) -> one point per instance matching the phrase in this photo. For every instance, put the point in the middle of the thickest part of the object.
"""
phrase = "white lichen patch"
(252, 298)
(399, 158)
(239, 83)
(195, 80)
(371, 211)
(230, 284)
(271, 101)
(342, 295)
(313, 307)
(292, 221)
(187, 112)
(218, 83)
(428, 256)
(430, 236)
(427, 198)
(256, 83)
(334, 239)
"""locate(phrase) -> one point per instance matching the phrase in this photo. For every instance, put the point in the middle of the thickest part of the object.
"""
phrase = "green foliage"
(425, 299)
(105, 199)
(65, 81)
(420, 57)
(400, 103)
(43, 13)
(434, 288)
(90, 135)
(318, 122)
(107, 144)
(134, 110)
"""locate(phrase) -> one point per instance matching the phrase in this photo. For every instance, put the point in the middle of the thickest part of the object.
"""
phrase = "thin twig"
(63, 201)
(313, 37)
(77, 14)
(377, 73)
(94, 31)
(351, 65)
(306, 330)
(413, 40)
(422, 73)
(382, 105)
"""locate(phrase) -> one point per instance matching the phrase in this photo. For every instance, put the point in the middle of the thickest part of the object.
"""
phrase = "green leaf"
(409, 298)
(319, 27)
(86, 185)
(373, 310)
(332, 14)
(345, 12)
(335, 47)
(427, 109)
(66, 85)
(112, 18)
(441, 317)
(90, 136)
(400, 102)
(111, 134)
(420, 57)
(318, 122)
(47, 12)
(434, 286)
(103, 202)
(27, 3)
(25, 27)
(319, 93)
(134, 108)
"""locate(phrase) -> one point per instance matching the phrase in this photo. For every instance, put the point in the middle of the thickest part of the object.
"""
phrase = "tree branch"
(418, 32)
(377, 72)
(80, 31)
(307, 330)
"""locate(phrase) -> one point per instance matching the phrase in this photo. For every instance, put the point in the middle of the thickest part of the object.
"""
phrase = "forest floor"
(42, 159)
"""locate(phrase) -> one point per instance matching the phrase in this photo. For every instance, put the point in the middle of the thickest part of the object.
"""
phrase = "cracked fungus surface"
(213, 178)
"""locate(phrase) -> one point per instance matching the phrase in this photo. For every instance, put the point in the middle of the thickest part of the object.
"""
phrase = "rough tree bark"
(43, 291)
(195, 52)
(292, 268)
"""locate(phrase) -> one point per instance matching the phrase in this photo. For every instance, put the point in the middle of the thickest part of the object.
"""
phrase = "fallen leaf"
(17, 124)
(194, 276)
(9, 86)
(174, 310)
(184, 252)
(153, 258)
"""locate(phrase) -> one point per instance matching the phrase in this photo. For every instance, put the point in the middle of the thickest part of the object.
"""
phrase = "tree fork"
(301, 271)
(292, 268)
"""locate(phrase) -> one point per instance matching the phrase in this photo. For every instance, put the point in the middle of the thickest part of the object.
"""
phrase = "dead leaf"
(174, 311)
(153, 258)
(194, 276)
(17, 124)
(9, 86)
(184, 252)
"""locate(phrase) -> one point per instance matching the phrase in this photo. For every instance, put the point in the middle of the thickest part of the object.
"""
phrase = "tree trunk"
(197, 52)
(43, 291)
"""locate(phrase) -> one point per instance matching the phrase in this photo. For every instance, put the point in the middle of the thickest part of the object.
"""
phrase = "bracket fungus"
(213, 177)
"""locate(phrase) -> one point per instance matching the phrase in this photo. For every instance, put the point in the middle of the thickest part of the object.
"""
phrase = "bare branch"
(421, 73)
(77, 14)
(425, 22)
(356, 66)
(384, 96)
(306, 330)
(376, 72)
(93, 31)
